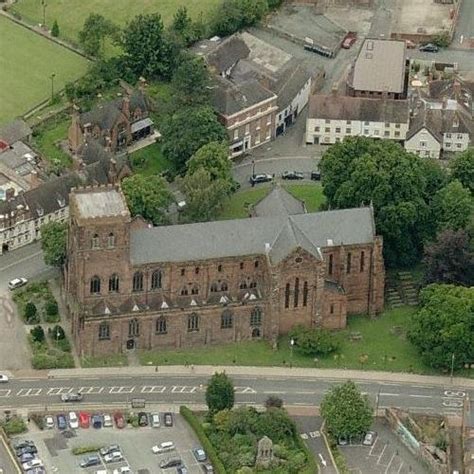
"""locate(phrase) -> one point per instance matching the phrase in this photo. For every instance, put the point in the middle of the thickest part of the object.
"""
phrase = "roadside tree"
(462, 168)
(53, 243)
(220, 393)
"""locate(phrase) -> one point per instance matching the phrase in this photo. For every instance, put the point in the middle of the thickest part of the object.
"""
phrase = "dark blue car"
(62, 423)
(97, 421)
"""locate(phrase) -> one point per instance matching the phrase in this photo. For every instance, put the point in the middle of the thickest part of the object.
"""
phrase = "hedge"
(195, 424)
(85, 449)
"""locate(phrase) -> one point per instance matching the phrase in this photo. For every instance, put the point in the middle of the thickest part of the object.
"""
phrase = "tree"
(51, 308)
(273, 402)
(214, 158)
(190, 82)
(57, 333)
(204, 195)
(443, 329)
(30, 312)
(220, 393)
(148, 50)
(450, 259)
(95, 30)
(313, 342)
(187, 130)
(187, 31)
(37, 334)
(453, 206)
(462, 168)
(148, 196)
(53, 243)
(55, 29)
(346, 411)
(399, 185)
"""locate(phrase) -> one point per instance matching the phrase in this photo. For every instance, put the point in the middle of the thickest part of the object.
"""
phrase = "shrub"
(14, 425)
(37, 334)
(39, 420)
(55, 29)
(314, 341)
(57, 333)
(52, 360)
(51, 308)
(273, 402)
(85, 449)
(63, 345)
(30, 313)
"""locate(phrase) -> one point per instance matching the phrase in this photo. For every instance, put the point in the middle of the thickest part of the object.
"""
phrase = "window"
(297, 292)
(95, 241)
(196, 270)
(241, 265)
(137, 283)
(366, 123)
(387, 124)
(236, 134)
(193, 322)
(156, 280)
(224, 286)
(448, 145)
(397, 125)
(305, 293)
(256, 264)
(183, 272)
(348, 130)
(376, 133)
(316, 129)
(362, 261)
(287, 295)
(111, 240)
(227, 319)
(366, 131)
(459, 136)
(95, 284)
(243, 285)
(422, 144)
(327, 121)
(255, 333)
(114, 283)
(214, 288)
(256, 317)
(104, 331)
(331, 309)
(219, 268)
(338, 129)
(458, 145)
(330, 264)
(348, 122)
(253, 284)
(160, 327)
(397, 134)
(327, 129)
(386, 133)
(448, 135)
(348, 262)
(247, 129)
(195, 290)
(133, 328)
(184, 291)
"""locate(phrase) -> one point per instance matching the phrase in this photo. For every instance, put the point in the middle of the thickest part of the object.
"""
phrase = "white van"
(163, 447)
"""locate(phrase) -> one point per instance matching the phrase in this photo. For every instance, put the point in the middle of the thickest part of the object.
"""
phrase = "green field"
(26, 63)
(71, 14)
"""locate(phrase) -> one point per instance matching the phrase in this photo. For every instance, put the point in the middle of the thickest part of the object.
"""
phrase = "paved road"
(464, 58)
(465, 24)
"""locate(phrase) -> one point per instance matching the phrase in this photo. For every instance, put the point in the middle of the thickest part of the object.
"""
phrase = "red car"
(119, 420)
(349, 40)
(84, 419)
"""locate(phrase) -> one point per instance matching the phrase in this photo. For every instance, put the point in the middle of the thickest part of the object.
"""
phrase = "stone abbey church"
(133, 286)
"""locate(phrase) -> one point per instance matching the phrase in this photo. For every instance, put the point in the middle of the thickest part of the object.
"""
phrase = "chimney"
(113, 171)
(334, 89)
(142, 84)
(9, 194)
(457, 89)
(126, 105)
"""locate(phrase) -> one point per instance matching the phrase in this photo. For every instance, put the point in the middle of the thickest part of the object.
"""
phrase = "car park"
(260, 178)
(109, 449)
(73, 420)
(84, 419)
(170, 462)
(71, 397)
(119, 420)
(155, 420)
(17, 283)
(3, 378)
(429, 48)
(142, 419)
(61, 421)
(107, 421)
(163, 447)
(32, 464)
(199, 454)
(96, 421)
(292, 175)
(89, 461)
(369, 438)
(168, 419)
(49, 422)
(115, 456)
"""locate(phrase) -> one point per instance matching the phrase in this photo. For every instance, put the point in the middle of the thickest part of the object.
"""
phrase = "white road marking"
(273, 392)
(387, 394)
(388, 466)
(29, 392)
(4, 393)
(91, 390)
(314, 434)
(59, 390)
(153, 389)
(453, 403)
(420, 396)
(124, 389)
(246, 390)
(381, 454)
(304, 436)
(183, 389)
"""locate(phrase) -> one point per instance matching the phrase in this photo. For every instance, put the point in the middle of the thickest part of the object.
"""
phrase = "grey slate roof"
(279, 202)
(228, 53)
(234, 238)
(339, 107)
(15, 131)
(91, 151)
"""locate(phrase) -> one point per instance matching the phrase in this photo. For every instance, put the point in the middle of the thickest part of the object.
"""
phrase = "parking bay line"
(420, 396)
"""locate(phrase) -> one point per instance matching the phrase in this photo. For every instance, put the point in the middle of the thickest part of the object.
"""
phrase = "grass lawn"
(27, 61)
(149, 160)
(71, 15)
(114, 360)
(385, 348)
(311, 194)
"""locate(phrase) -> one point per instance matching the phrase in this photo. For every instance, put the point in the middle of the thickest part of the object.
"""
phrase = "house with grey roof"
(278, 202)
(17, 130)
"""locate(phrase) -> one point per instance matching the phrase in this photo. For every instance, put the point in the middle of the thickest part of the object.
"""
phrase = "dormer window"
(95, 241)
(40, 211)
(61, 201)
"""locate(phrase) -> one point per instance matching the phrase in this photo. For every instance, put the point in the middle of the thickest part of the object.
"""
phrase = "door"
(130, 344)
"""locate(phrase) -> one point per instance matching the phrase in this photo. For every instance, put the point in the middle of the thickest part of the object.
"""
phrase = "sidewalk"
(206, 370)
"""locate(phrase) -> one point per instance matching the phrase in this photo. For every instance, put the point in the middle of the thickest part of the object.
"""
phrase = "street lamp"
(53, 75)
(452, 367)
(253, 167)
(292, 343)
(44, 4)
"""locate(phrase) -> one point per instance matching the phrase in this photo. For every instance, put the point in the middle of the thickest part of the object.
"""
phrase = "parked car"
(109, 449)
(32, 464)
(142, 419)
(349, 40)
(155, 420)
(26, 450)
(61, 421)
(342, 441)
(84, 419)
(27, 457)
(36, 470)
(207, 468)
(316, 175)
(163, 447)
(72, 397)
(182, 470)
(410, 44)
(168, 419)
(17, 283)
(369, 438)
(89, 461)
(22, 444)
(122, 470)
(107, 421)
(3, 378)
(119, 420)
(170, 462)
(199, 454)
(429, 48)
(292, 175)
(96, 421)
(260, 178)
(115, 456)
(49, 422)
(73, 420)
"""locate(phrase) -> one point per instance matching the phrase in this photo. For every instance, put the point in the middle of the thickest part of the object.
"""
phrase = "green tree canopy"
(55, 29)
(53, 242)
(37, 334)
(94, 32)
(444, 326)
(400, 186)
(148, 196)
(450, 259)
(453, 206)
(220, 393)
(214, 158)
(314, 341)
(185, 29)
(149, 52)
(462, 168)
(346, 411)
(204, 195)
(186, 131)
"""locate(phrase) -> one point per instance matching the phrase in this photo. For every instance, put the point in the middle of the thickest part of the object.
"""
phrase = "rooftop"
(16, 130)
(279, 202)
(101, 202)
(380, 66)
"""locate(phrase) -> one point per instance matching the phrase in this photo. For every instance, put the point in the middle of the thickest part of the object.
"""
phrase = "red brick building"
(129, 285)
